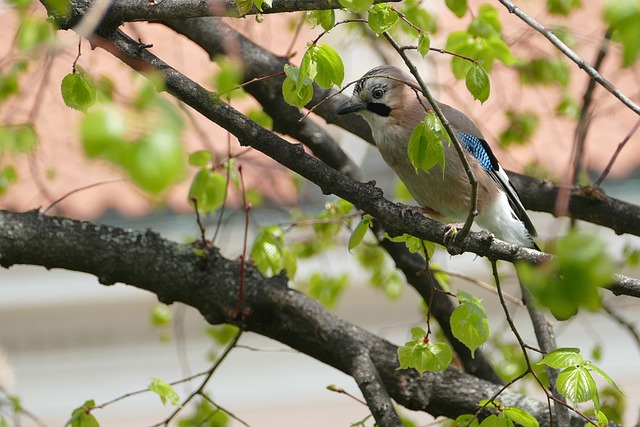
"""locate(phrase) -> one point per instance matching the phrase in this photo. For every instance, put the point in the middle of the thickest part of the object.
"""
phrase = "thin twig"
(200, 226)
(610, 87)
(580, 134)
(621, 145)
(628, 325)
(208, 376)
(226, 411)
(77, 190)
(243, 257)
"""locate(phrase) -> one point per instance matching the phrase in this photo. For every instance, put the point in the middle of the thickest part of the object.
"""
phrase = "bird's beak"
(351, 106)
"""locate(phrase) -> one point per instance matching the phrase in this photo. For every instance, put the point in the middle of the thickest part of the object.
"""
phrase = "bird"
(391, 101)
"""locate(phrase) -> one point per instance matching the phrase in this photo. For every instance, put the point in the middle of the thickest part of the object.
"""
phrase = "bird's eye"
(377, 93)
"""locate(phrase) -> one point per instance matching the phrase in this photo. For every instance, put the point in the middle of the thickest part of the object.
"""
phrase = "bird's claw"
(409, 209)
(453, 241)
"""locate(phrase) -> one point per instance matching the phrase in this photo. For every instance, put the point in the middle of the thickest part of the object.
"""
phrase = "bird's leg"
(452, 239)
(416, 210)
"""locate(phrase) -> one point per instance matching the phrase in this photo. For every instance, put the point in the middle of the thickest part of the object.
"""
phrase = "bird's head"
(380, 95)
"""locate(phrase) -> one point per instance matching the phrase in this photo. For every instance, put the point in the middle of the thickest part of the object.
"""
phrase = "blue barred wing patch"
(480, 150)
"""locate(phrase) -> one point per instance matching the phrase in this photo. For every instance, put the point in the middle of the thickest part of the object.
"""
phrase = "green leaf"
(32, 33)
(156, 161)
(466, 420)
(469, 322)
(360, 231)
(521, 417)
(8, 176)
(424, 44)
(228, 78)
(298, 97)
(604, 375)
(426, 147)
(270, 254)
(414, 244)
(603, 421)
(102, 131)
(423, 355)
(18, 138)
(82, 417)
(222, 334)
(324, 18)
(356, 6)
(477, 82)
(260, 117)
(161, 315)
(330, 69)
(623, 17)
(561, 358)
(382, 18)
(562, 7)
(520, 128)
(459, 7)
(496, 421)
(244, 6)
(200, 158)
(577, 385)
(572, 279)
(78, 90)
(568, 107)
(165, 391)
(326, 289)
(544, 71)
(208, 188)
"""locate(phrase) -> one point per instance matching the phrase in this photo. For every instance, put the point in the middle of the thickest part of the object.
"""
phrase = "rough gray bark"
(174, 273)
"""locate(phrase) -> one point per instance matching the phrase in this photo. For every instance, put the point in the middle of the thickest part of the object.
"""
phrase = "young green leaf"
(161, 315)
(423, 355)
(324, 18)
(426, 147)
(469, 322)
(562, 7)
(165, 391)
(382, 18)
(8, 176)
(244, 6)
(330, 69)
(356, 6)
(360, 231)
(459, 7)
(82, 416)
(228, 78)
(102, 132)
(561, 358)
(424, 44)
(573, 278)
(478, 83)
(18, 138)
(200, 158)
(208, 188)
(78, 90)
(294, 95)
(577, 384)
(604, 375)
(623, 17)
(521, 417)
(520, 128)
(156, 161)
(270, 254)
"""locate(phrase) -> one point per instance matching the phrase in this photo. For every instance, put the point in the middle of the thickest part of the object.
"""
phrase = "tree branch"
(364, 196)
(122, 11)
(595, 75)
(215, 37)
(174, 273)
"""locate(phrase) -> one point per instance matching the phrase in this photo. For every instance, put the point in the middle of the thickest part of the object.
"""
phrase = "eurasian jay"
(391, 102)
